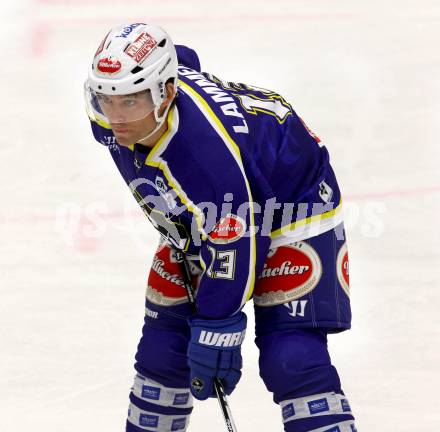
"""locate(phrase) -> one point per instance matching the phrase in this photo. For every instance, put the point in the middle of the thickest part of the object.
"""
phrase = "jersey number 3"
(226, 264)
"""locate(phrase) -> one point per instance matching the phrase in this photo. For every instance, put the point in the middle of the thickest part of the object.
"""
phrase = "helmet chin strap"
(159, 121)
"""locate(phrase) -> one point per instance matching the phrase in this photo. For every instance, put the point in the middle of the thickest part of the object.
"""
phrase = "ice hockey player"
(230, 175)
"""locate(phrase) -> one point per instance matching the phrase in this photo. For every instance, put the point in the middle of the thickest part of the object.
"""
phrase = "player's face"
(130, 133)
(132, 118)
(128, 115)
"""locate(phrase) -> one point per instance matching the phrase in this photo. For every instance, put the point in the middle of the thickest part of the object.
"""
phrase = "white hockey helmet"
(127, 78)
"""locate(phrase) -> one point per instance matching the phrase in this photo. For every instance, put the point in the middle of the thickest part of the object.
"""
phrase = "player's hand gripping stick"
(217, 384)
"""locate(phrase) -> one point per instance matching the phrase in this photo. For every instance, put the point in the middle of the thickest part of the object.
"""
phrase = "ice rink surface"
(75, 249)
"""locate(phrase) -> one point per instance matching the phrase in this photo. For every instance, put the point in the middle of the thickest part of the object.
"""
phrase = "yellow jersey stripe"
(290, 228)
(102, 123)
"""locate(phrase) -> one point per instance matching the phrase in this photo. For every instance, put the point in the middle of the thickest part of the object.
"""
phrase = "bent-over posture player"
(230, 175)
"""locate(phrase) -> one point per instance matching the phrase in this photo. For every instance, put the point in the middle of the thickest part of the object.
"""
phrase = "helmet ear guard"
(163, 92)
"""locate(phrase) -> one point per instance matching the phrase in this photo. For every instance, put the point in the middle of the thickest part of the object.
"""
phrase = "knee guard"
(295, 366)
(156, 407)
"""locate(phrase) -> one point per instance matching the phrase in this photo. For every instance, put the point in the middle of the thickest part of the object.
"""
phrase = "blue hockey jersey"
(236, 173)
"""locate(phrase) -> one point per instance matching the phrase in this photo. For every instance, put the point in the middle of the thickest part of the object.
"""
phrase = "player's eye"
(103, 99)
(130, 103)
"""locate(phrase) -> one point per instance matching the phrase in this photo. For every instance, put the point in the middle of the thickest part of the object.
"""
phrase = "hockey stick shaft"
(218, 386)
(224, 406)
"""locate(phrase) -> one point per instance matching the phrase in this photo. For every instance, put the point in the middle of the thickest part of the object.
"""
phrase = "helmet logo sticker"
(109, 65)
(141, 47)
(128, 29)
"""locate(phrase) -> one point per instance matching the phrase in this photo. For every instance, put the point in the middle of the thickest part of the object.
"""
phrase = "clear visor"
(116, 109)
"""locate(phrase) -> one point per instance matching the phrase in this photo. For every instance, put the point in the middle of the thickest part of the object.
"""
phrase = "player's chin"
(125, 139)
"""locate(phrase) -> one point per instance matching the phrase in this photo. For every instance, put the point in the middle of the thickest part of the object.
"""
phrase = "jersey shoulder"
(187, 57)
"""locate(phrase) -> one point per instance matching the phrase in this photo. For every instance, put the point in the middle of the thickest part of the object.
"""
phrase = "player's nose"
(117, 115)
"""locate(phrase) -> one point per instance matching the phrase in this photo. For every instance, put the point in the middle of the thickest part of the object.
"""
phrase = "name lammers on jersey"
(219, 96)
(221, 339)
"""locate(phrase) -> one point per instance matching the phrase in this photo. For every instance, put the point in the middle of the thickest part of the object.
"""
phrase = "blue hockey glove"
(215, 351)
